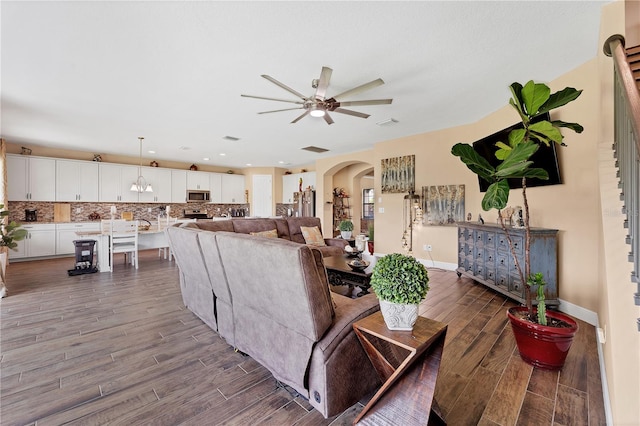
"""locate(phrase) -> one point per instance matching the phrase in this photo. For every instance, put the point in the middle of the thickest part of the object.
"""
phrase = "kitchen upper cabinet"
(215, 185)
(115, 183)
(178, 186)
(31, 178)
(233, 188)
(76, 180)
(160, 181)
(198, 180)
(291, 184)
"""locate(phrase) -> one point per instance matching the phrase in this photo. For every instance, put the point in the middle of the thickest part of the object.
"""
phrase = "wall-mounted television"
(545, 157)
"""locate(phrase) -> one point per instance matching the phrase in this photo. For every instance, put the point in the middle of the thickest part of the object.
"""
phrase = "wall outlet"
(149, 209)
(78, 209)
(427, 247)
(380, 209)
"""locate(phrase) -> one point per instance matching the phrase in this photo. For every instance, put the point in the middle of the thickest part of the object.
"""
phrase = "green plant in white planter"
(345, 227)
(401, 283)
(10, 231)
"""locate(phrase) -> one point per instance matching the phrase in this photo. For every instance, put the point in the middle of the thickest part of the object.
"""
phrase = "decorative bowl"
(358, 264)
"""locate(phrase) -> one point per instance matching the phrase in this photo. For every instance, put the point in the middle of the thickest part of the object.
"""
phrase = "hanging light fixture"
(412, 216)
(141, 185)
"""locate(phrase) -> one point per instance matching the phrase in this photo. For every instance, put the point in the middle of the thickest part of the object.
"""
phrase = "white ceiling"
(94, 76)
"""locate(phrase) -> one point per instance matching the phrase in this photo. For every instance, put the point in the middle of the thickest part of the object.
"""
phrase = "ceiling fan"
(318, 105)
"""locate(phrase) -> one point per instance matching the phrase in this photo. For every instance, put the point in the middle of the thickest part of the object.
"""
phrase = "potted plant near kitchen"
(543, 337)
(345, 227)
(401, 283)
(10, 232)
(370, 235)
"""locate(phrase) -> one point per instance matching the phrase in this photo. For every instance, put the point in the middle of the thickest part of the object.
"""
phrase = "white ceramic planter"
(346, 234)
(399, 316)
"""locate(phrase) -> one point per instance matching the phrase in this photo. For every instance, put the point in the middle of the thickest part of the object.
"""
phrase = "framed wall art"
(443, 204)
(398, 174)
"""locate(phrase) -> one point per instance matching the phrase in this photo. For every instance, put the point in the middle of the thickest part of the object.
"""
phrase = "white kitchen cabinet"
(291, 184)
(160, 181)
(215, 185)
(115, 183)
(31, 178)
(198, 180)
(76, 180)
(178, 186)
(40, 241)
(233, 188)
(66, 235)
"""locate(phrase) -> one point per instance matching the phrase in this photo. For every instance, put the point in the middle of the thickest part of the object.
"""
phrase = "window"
(367, 203)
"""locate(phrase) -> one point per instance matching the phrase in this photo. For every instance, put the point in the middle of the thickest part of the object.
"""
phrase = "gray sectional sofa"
(287, 228)
(270, 298)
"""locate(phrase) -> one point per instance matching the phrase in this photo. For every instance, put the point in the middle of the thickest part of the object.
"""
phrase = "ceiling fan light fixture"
(314, 111)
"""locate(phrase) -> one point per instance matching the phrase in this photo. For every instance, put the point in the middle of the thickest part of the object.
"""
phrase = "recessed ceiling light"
(248, 164)
(280, 162)
(222, 154)
(151, 152)
(206, 158)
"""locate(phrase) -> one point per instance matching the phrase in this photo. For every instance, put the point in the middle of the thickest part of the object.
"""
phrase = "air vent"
(231, 138)
(315, 149)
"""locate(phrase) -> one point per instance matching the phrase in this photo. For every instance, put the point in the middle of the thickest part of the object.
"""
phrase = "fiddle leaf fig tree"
(529, 101)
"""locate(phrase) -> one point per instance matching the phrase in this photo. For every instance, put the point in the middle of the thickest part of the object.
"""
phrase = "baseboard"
(578, 312)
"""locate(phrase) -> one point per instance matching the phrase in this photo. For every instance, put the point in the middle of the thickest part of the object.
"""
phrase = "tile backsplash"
(80, 211)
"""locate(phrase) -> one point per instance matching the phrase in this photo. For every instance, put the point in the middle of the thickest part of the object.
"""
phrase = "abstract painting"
(443, 204)
(399, 174)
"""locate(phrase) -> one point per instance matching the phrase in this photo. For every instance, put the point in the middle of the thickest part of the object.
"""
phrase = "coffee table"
(339, 273)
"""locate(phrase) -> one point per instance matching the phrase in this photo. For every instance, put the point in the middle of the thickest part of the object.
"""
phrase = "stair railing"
(627, 149)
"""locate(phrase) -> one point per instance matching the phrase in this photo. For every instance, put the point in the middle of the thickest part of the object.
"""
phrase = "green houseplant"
(401, 283)
(345, 227)
(529, 101)
(10, 231)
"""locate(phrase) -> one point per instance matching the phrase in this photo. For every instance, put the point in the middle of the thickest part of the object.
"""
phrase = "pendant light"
(141, 185)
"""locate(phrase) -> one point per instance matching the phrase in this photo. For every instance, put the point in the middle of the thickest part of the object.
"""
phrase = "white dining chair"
(123, 238)
(164, 223)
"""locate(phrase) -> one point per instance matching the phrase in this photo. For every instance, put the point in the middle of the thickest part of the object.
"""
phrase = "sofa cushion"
(247, 226)
(295, 223)
(312, 236)
(216, 225)
(267, 234)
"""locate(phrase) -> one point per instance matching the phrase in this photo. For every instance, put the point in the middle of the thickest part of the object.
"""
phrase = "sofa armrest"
(337, 242)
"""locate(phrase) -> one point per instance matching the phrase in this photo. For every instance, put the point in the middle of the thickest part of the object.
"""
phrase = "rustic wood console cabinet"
(484, 255)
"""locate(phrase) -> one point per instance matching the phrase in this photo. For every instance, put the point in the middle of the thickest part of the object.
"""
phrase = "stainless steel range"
(195, 214)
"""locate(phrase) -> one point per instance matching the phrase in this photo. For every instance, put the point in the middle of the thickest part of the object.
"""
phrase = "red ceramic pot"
(541, 345)
(370, 244)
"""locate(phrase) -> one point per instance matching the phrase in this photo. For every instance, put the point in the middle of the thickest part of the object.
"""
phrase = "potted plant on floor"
(346, 228)
(370, 235)
(543, 337)
(10, 232)
(401, 283)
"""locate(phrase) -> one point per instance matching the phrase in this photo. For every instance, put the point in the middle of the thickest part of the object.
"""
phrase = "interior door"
(262, 198)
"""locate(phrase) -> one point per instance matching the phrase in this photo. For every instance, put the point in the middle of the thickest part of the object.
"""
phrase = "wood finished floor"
(120, 348)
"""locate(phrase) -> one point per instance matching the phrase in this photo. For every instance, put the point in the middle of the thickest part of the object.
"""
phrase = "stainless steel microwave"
(198, 196)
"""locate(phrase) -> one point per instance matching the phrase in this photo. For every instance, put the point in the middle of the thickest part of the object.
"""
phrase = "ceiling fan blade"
(300, 117)
(284, 86)
(349, 112)
(361, 88)
(273, 99)
(327, 118)
(323, 82)
(279, 110)
(369, 102)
